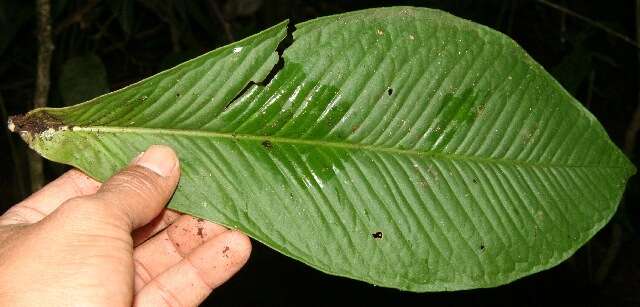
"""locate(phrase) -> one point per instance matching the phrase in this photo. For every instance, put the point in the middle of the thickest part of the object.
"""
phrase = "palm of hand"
(77, 242)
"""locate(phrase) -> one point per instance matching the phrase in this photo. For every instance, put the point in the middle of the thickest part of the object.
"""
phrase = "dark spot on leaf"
(354, 128)
(377, 235)
(389, 91)
(267, 144)
(481, 247)
(475, 180)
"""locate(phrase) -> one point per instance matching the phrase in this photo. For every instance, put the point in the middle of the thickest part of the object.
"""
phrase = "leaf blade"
(432, 154)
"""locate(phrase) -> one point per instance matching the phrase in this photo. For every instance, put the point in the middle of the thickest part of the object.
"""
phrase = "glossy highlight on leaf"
(400, 146)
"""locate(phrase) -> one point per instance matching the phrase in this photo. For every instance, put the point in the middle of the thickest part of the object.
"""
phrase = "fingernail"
(134, 161)
(160, 159)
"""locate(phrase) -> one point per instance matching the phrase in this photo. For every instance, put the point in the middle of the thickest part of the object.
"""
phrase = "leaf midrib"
(352, 146)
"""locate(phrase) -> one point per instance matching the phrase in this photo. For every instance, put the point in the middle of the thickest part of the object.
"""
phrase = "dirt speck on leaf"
(377, 235)
(267, 144)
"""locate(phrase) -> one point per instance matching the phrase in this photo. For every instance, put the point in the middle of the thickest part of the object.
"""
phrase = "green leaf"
(82, 78)
(401, 146)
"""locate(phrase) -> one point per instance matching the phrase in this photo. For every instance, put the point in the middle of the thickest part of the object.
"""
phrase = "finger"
(159, 223)
(170, 246)
(71, 184)
(137, 194)
(190, 281)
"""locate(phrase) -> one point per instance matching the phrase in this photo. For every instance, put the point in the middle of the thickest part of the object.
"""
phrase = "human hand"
(79, 242)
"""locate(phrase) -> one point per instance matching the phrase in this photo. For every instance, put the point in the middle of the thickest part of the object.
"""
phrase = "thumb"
(137, 194)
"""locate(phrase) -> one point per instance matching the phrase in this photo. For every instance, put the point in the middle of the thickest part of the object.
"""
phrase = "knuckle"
(88, 213)
(78, 205)
(83, 208)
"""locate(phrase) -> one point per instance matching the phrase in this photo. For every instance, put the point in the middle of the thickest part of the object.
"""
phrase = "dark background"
(105, 45)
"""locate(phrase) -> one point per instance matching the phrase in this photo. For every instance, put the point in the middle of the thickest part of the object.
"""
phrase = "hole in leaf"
(377, 235)
(389, 91)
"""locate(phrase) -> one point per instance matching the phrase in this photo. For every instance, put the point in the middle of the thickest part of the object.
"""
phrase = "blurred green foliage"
(82, 78)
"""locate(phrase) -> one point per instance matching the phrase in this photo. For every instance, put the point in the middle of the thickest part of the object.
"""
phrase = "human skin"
(77, 242)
